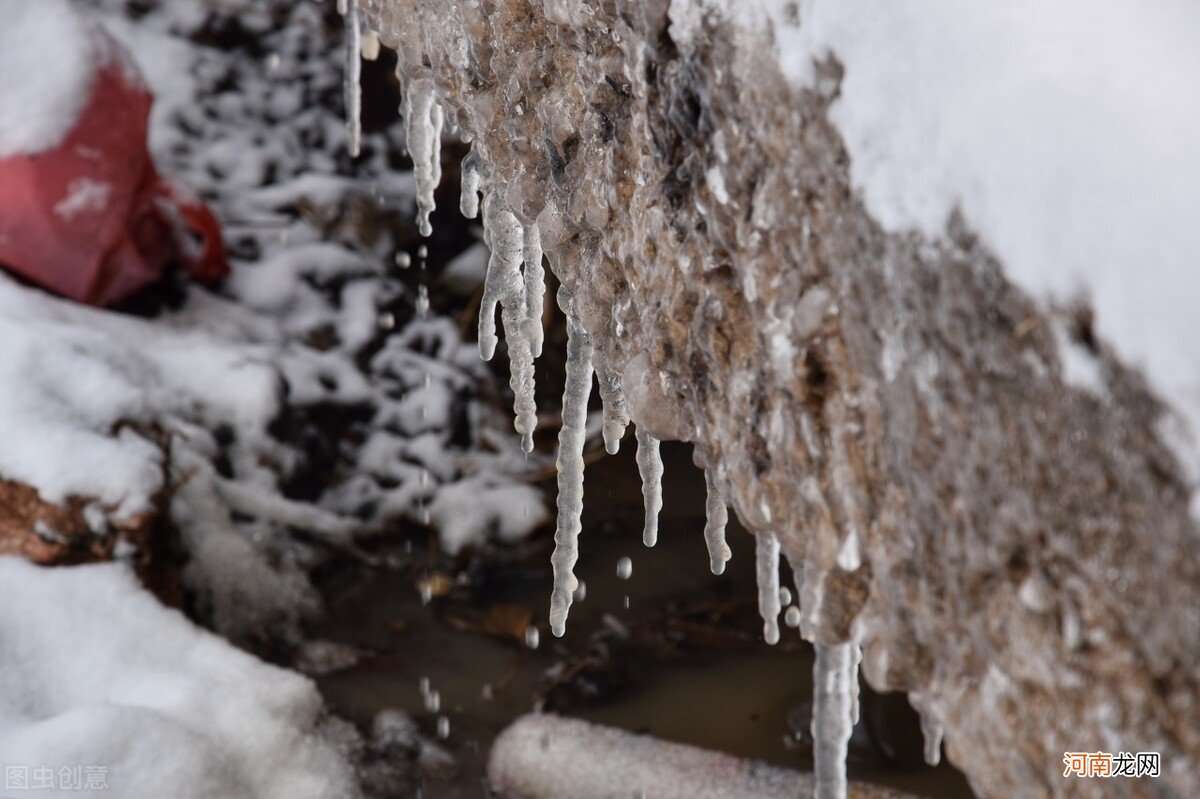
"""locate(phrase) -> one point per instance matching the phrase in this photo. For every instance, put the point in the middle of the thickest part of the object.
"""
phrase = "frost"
(767, 567)
(650, 467)
(570, 464)
(717, 516)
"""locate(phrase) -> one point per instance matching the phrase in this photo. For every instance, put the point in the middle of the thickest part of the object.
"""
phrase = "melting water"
(675, 673)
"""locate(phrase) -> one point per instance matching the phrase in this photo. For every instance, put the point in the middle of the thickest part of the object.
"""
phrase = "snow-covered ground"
(212, 402)
(104, 691)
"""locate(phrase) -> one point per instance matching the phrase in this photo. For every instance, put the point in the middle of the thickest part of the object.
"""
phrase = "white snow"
(47, 60)
(1066, 132)
(83, 388)
(83, 195)
(476, 509)
(94, 672)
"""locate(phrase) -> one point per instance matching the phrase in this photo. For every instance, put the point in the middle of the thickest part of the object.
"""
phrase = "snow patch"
(47, 60)
(166, 708)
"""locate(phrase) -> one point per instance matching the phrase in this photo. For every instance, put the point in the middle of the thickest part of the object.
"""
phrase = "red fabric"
(91, 219)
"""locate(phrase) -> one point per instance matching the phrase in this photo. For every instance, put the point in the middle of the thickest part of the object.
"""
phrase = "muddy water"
(672, 651)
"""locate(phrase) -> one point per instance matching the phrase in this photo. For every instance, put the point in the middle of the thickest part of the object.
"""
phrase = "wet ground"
(673, 651)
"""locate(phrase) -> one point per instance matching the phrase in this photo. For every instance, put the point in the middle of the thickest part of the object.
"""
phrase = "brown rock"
(1032, 570)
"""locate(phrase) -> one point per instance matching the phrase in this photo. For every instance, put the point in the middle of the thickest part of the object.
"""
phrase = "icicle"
(650, 467)
(504, 237)
(370, 45)
(570, 464)
(469, 185)
(351, 82)
(535, 288)
(856, 656)
(714, 527)
(831, 719)
(932, 731)
(423, 134)
(616, 411)
(766, 549)
(504, 285)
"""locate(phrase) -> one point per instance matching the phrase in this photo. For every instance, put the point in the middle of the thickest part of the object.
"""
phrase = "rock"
(1029, 569)
(81, 532)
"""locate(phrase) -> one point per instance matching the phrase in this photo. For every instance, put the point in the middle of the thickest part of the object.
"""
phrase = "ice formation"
(932, 732)
(570, 464)
(423, 135)
(650, 467)
(767, 567)
(717, 516)
(504, 285)
(352, 78)
(831, 725)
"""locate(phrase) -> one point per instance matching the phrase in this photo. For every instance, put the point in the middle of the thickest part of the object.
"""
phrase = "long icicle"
(831, 719)
(714, 526)
(352, 80)
(570, 464)
(766, 549)
(504, 284)
(650, 467)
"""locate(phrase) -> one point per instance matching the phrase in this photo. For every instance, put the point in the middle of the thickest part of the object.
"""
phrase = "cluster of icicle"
(515, 282)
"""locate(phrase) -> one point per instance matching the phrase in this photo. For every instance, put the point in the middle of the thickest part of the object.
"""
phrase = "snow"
(476, 509)
(166, 708)
(1065, 132)
(42, 96)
